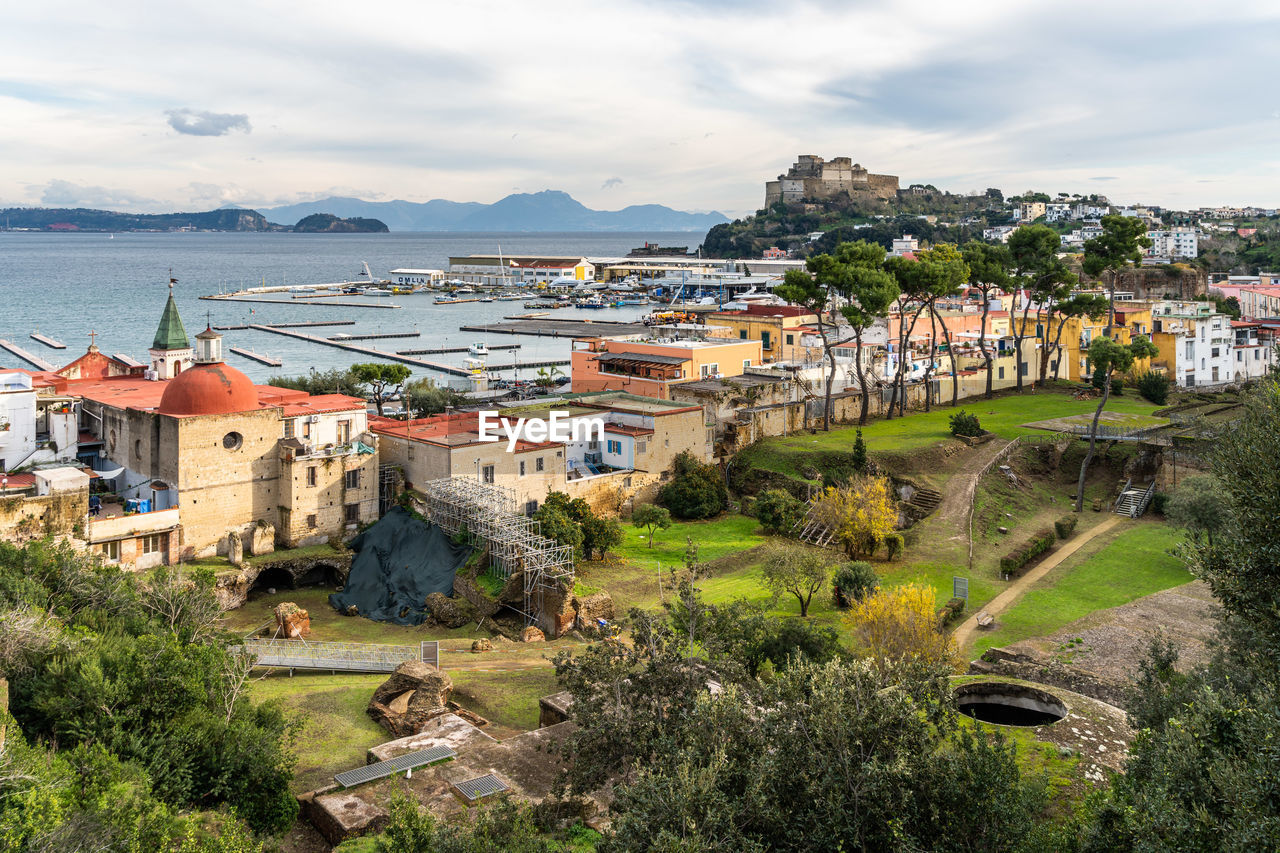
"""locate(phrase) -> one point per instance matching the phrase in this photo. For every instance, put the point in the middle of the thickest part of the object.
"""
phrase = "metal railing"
(349, 657)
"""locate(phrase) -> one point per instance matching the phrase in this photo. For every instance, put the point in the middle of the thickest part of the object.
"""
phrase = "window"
(232, 441)
(486, 473)
(766, 340)
(352, 513)
(288, 428)
(742, 334)
(1239, 355)
(613, 446)
(137, 448)
(791, 339)
(311, 475)
(746, 363)
(353, 478)
(1001, 373)
(1214, 352)
(155, 543)
(710, 370)
(626, 484)
(111, 551)
(1191, 352)
(311, 521)
(537, 464)
(306, 429)
(521, 467)
(530, 507)
(641, 447)
(344, 432)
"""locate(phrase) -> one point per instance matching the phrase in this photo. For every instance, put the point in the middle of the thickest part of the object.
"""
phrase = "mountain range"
(549, 210)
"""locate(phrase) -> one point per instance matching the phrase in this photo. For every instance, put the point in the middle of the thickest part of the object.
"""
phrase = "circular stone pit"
(1005, 704)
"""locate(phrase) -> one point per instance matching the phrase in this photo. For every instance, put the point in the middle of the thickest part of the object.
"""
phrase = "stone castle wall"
(811, 177)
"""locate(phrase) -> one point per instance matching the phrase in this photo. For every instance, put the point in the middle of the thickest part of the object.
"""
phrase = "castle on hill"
(811, 178)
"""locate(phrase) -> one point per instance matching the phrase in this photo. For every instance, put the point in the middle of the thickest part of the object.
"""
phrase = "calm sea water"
(67, 285)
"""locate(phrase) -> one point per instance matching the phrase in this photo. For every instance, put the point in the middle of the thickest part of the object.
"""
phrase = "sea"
(68, 286)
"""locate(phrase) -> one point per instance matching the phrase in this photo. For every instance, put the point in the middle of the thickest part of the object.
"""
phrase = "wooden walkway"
(217, 298)
(47, 341)
(258, 357)
(33, 360)
(443, 350)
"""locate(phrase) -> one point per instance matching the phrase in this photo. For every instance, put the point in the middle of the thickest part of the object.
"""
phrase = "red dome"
(209, 389)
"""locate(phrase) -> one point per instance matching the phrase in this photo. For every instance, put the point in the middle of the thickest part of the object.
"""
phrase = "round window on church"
(232, 441)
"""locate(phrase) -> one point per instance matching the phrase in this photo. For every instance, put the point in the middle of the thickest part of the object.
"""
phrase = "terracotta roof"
(21, 481)
(627, 429)
(318, 404)
(457, 430)
(134, 392)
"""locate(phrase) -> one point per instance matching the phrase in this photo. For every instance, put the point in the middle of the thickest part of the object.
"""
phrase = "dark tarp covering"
(399, 562)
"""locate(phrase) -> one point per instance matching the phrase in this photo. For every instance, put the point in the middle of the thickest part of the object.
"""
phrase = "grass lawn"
(715, 539)
(1126, 564)
(1004, 415)
(336, 732)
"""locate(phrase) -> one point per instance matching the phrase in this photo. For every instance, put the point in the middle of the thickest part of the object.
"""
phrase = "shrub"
(1158, 501)
(1154, 387)
(951, 611)
(1099, 379)
(1012, 562)
(696, 490)
(859, 455)
(777, 511)
(893, 545)
(965, 424)
(1066, 525)
(852, 581)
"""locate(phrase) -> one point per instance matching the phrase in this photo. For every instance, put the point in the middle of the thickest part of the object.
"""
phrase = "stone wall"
(60, 514)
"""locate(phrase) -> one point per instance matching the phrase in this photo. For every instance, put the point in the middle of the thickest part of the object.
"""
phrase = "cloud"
(612, 182)
(60, 193)
(199, 123)
(1105, 178)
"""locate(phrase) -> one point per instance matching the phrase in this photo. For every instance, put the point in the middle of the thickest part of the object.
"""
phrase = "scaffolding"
(485, 513)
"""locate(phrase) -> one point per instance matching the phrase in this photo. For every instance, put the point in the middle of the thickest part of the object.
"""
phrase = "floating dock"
(299, 325)
(551, 327)
(373, 337)
(443, 350)
(219, 298)
(49, 342)
(527, 365)
(258, 357)
(33, 360)
(364, 350)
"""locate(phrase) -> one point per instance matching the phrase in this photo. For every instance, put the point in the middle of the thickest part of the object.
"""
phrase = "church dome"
(209, 389)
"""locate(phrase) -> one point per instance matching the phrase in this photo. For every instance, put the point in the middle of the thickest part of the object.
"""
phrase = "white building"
(1182, 242)
(1057, 212)
(1087, 210)
(1254, 350)
(998, 234)
(1203, 342)
(903, 245)
(35, 429)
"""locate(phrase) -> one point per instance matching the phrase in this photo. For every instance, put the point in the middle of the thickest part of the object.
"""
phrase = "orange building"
(648, 368)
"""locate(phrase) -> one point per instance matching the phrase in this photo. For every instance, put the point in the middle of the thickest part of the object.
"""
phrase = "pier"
(373, 337)
(258, 357)
(49, 342)
(219, 298)
(528, 365)
(555, 328)
(299, 325)
(443, 350)
(33, 360)
(364, 350)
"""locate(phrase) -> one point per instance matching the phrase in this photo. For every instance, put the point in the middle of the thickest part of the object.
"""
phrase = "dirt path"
(957, 495)
(964, 634)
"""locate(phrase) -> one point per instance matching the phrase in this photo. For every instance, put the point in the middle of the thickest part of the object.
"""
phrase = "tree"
(1118, 247)
(947, 272)
(600, 534)
(506, 825)
(900, 624)
(811, 289)
(378, 377)
(778, 511)
(556, 522)
(859, 513)
(1108, 357)
(423, 398)
(1078, 305)
(326, 382)
(853, 582)
(914, 282)
(652, 518)
(696, 489)
(1154, 387)
(795, 569)
(988, 272)
(1040, 274)
(869, 290)
(1199, 505)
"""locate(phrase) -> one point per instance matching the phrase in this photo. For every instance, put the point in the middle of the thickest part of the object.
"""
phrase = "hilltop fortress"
(811, 178)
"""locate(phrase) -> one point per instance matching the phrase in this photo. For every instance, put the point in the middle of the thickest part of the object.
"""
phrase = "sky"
(135, 105)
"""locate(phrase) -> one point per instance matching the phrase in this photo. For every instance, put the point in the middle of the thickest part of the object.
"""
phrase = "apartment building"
(649, 367)
(1196, 343)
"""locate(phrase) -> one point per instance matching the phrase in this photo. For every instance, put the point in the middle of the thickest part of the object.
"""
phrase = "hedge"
(1027, 551)
(1066, 525)
(951, 611)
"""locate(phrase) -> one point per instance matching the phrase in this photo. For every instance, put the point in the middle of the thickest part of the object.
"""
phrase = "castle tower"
(170, 352)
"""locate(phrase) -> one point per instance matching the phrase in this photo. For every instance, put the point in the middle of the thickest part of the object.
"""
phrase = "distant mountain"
(327, 223)
(84, 219)
(549, 210)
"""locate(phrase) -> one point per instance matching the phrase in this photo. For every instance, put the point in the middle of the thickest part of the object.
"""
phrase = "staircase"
(924, 501)
(1134, 502)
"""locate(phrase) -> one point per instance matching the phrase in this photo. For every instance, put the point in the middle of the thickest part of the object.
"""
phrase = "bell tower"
(170, 351)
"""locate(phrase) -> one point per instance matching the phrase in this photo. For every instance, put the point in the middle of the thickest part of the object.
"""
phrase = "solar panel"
(481, 786)
(381, 769)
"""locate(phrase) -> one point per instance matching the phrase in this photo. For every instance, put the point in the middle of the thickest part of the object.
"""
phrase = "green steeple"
(170, 334)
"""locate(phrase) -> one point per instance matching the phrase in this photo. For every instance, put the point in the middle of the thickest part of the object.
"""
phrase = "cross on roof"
(172, 280)
(93, 338)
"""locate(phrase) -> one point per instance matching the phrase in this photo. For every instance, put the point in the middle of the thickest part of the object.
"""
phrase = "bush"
(1066, 525)
(777, 511)
(1158, 500)
(1154, 387)
(1117, 383)
(859, 455)
(696, 489)
(965, 424)
(951, 611)
(893, 545)
(1012, 562)
(852, 581)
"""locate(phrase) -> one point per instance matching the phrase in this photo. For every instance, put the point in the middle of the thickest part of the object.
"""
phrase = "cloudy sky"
(139, 105)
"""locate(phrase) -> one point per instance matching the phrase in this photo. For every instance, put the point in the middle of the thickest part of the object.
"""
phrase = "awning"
(109, 473)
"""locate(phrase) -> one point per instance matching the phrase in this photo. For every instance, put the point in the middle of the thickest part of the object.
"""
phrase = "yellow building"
(778, 328)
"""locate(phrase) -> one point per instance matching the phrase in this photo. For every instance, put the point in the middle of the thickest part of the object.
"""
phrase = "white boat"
(478, 348)
(376, 291)
(302, 290)
(446, 300)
